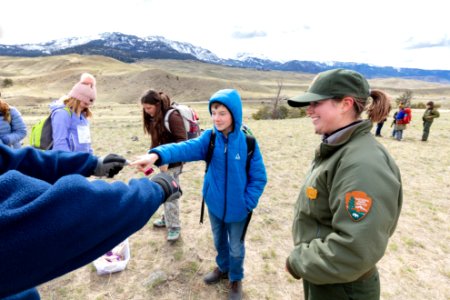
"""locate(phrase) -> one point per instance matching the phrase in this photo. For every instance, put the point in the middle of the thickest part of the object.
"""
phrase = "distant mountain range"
(130, 48)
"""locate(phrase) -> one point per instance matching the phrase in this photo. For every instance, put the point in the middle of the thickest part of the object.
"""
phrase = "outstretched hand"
(109, 165)
(145, 162)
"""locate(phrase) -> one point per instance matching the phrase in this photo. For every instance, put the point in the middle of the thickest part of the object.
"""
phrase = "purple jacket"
(70, 132)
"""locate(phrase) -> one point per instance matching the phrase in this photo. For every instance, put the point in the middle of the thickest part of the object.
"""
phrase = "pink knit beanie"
(85, 89)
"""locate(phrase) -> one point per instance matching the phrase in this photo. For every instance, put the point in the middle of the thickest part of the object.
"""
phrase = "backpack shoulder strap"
(63, 108)
(68, 110)
(251, 141)
(166, 118)
(211, 145)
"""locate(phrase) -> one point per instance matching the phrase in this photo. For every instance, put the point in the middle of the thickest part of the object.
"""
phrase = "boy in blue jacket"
(53, 220)
(229, 192)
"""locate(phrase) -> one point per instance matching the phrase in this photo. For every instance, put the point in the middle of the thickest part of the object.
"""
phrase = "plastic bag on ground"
(115, 260)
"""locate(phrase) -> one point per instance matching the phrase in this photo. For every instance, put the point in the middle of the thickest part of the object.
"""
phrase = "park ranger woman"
(350, 202)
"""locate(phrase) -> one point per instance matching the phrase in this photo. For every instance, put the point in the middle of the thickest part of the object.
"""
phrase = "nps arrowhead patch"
(358, 205)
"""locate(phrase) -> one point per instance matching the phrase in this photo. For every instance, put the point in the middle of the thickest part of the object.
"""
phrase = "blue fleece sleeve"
(46, 165)
(49, 230)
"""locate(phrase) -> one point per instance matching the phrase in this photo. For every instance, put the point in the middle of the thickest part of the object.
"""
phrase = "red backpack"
(407, 118)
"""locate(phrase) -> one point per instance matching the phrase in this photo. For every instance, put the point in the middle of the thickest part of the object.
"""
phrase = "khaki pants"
(172, 208)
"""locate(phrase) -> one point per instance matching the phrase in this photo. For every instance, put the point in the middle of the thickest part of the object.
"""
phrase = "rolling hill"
(41, 79)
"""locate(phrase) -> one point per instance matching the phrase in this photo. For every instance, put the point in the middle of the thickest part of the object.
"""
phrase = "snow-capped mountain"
(130, 48)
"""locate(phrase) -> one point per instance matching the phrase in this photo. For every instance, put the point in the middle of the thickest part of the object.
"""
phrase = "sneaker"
(161, 223)
(173, 234)
(215, 276)
(235, 290)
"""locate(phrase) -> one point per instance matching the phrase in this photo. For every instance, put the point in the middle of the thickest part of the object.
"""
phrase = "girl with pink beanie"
(70, 117)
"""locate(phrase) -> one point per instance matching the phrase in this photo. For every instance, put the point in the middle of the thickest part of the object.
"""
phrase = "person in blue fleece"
(53, 220)
(229, 192)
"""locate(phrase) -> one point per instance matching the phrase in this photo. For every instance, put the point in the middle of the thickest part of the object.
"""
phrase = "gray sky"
(398, 33)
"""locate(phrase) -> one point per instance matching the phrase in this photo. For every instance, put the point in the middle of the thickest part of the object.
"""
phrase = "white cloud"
(382, 32)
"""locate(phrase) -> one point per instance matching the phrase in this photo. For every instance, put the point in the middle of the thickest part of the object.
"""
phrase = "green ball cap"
(331, 84)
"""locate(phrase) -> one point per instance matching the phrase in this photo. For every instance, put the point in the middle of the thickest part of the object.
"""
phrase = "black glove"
(169, 185)
(109, 165)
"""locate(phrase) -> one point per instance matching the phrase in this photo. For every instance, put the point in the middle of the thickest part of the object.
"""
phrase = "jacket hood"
(232, 100)
(56, 104)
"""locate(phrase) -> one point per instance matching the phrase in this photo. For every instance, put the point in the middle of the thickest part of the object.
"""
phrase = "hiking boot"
(215, 276)
(161, 223)
(235, 290)
(173, 234)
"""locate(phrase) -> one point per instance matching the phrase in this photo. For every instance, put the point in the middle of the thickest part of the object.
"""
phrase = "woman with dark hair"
(428, 117)
(155, 105)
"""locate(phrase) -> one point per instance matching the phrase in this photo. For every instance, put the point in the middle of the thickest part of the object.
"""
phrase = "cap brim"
(306, 98)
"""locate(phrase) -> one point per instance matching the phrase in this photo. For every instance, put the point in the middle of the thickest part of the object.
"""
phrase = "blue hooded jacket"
(52, 222)
(65, 128)
(229, 192)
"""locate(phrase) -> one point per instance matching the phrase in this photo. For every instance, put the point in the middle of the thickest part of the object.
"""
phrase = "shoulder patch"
(311, 193)
(358, 205)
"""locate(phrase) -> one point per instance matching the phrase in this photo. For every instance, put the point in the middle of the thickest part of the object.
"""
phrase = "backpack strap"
(251, 141)
(166, 119)
(211, 145)
(49, 119)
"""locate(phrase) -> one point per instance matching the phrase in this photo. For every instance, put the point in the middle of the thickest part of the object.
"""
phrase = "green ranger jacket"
(430, 114)
(347, 209)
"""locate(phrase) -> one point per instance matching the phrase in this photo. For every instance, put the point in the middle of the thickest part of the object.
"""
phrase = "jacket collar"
(340, 137)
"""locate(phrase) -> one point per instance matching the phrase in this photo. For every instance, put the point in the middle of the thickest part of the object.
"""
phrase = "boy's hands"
(145, 162)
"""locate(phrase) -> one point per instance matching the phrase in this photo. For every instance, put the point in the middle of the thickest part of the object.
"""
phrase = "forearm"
(191, 150)
(48, 166)
(67, 225)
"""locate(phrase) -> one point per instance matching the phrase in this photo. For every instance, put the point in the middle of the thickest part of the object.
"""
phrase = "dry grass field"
(416, 264)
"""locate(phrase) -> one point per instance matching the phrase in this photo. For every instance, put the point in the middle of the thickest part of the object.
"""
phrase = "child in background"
(70, 117)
